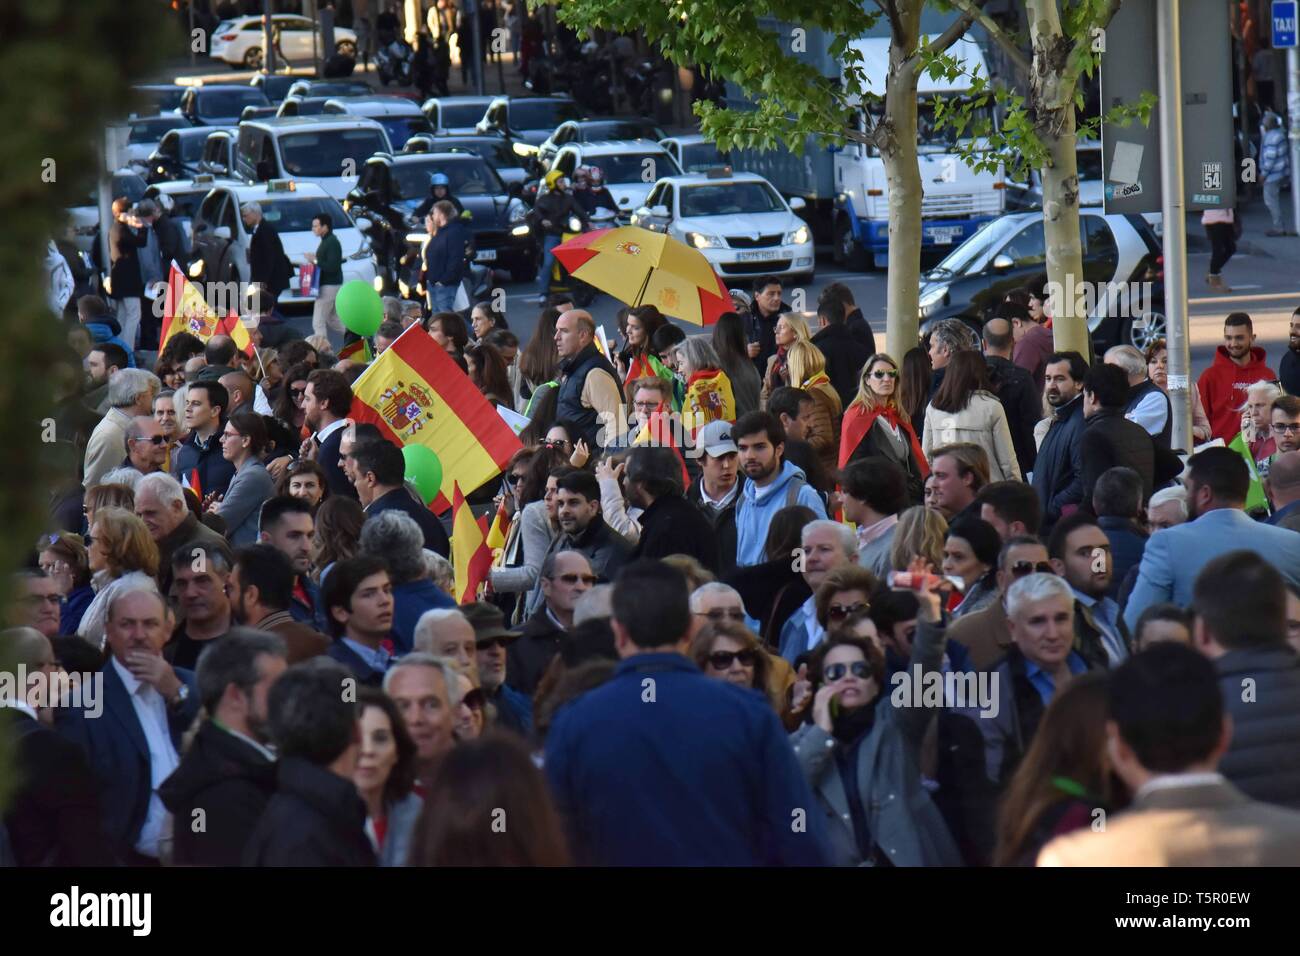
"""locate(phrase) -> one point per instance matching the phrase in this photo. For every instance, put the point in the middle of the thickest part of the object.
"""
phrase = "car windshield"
(971, 255)
(192, 148)
(620, 129)
(1089, 163)
(541, 114)
(295, 215)
(324, 153)
(230, 102)
(159, 100)
(699, 156)
(496, 151)
(469, 177)
(729, 199)
(461, 114)
(151, 130)
(628, 168)
(184, 205)
(402, 128)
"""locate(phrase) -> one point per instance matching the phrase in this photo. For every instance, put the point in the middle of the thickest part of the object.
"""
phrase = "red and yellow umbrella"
(641, 267)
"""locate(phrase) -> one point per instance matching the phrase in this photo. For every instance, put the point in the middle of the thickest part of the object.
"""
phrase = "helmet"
(581, 175)
(439, 179)
(597, 177)
(553, 178)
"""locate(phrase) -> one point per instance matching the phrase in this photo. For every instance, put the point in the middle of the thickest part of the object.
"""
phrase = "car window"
(322, 153)
(541, 114)
(621, 129)
(655, 193)
(170, 146)
(460, 114)
(402, 128)
(1098, 240)
(730, 199)
(469, 177)
(228, 214)
(667, 199)
(191, 148)
(971, 256)
(566, 162)
(184, 205)
(637, 167)
(295, 215)
(230, 102)
(1027, 248)
(700, 156)
(1089, 162)
(297, 23)
(151, 130)
(208, 208)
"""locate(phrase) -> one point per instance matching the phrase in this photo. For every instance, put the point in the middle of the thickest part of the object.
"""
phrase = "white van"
(309, 149)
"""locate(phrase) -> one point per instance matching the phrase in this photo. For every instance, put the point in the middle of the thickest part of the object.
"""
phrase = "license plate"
(943, 235)
(756, 256)
(486, 255)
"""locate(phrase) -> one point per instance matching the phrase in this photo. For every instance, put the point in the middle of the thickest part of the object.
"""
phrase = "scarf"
(858, 421)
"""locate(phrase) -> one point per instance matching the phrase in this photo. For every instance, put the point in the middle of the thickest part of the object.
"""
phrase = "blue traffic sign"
(1284, 27)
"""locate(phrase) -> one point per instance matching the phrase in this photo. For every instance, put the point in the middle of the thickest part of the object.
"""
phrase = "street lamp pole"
(1173, 210)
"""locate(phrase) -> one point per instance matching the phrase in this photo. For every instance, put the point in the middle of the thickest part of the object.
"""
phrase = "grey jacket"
(402, 818)
(536, 536)
(903, 820)
(1261, 689)
(242, 504)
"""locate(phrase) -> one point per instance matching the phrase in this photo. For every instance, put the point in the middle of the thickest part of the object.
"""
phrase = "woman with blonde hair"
(920, 533)
(807, 368)
(120, 554)
(875, 425)
(790, 328)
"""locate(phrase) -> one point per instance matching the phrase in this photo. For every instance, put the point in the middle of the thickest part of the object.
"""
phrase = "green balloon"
(359, 308)
(424, 470)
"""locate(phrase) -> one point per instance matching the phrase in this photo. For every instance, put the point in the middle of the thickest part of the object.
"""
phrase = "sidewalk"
(1255, 222)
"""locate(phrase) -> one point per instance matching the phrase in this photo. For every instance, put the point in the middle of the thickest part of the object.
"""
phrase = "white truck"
(846, 190)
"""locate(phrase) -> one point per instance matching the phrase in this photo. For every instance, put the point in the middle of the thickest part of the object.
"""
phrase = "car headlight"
(516, 212)
(575, 224)
(932, 300)
(520, 231)
(796, 238)
(416, 237)
(701, 240)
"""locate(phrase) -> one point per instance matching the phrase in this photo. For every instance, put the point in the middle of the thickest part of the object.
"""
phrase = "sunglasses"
(883, 375)
(490, 642)
(860, 669)
(838, 612)
(154, 440)
(554, 443)
(721, 660)
(588, 579)
(718, 615)
(1025, 568)
(298, 392)
(473, 699)
(512, 479)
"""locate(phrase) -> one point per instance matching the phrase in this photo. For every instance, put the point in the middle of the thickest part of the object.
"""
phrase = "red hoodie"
(1223, 389)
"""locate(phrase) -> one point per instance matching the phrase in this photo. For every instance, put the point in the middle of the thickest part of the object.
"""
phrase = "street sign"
(1131, 154)
(1284, 26)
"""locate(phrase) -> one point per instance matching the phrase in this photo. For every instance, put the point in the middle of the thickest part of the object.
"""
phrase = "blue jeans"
(549, 243)
(442, 298)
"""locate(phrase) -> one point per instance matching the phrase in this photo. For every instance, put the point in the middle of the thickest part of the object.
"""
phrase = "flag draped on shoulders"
(185, 310)
(708, 399)
(415, 394)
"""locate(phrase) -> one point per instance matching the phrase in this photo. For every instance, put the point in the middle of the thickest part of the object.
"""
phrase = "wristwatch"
(181, 697)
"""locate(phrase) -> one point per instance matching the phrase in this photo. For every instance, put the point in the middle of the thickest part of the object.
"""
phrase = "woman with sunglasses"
(876, 815)
(288, 404)
(63, 557)
(385, 777)
(304, 479)
(970, 552)
(470, 712)
(242, 442)
(844, 592)
(875, 425)
(729, 651)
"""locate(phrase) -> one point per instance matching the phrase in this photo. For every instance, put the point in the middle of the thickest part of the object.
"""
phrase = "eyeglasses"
(154, 440)
(720, 614)
(1287, 427)
(646, 406)
(588, 579)
(1025, 568)
(883, 375)
(834, 672)
(721, 660)
(838, 612)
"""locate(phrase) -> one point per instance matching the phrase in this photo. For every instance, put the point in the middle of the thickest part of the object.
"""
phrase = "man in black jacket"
(845, 355)
(316, 817)
(857, 324)
(267, 263)
(1058, 469)
(223, 783)
(1015, 389)
(760, 324)
(445, 256)
(565, 577)
(669, 523)
(717, 489)
(126, 237)
(1110, 439)
(550, 217)
(379, 467)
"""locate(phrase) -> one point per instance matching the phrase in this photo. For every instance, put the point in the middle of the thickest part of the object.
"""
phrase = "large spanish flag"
(185, 310)
(414, 392)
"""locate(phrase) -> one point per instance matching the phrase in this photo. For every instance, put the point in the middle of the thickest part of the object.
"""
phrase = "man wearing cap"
(491, 637)
(717, 489)
(565, 577)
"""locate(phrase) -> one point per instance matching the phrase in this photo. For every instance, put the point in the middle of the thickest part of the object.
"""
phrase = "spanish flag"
(496, 537)
(414, 392)
(471, 558)
(708, 399)
(185, 310)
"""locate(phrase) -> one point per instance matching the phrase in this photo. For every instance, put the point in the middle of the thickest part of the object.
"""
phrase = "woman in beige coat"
(965, 410)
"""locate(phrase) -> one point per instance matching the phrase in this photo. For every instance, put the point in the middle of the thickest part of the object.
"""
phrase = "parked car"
(150, 99)
(240, 42)
(146, 132)
(179, 153)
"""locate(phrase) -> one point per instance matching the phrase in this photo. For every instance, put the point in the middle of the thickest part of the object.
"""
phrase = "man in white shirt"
(147, 705)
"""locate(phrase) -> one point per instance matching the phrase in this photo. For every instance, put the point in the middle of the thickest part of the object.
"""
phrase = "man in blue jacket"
(445, 262)
(1058, 468)
(772, 485)
(662, 766)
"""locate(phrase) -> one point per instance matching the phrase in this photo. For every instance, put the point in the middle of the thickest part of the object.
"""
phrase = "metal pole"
(1293, 110)
(476, 28)
(316, 27)
(1175, 220)
(193, 60)
(268, 39)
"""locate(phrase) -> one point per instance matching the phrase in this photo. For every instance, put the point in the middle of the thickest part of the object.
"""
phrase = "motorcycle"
(583, 294)
(395, 62)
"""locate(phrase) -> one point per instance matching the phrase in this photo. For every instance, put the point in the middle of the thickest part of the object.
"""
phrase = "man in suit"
(267, 263)
(126, 237)
(358, 600)
(53, 817)
(326, 404)
(1217, 484)
(1167, 733)
(379, 469)
(228, 773)
(133, 747)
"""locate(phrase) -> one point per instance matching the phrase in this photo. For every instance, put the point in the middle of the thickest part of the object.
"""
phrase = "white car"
(181, 198)
(694, 153)
(630, 166)
(240, 43)
(738, 221)
(221, 239)
(326, 150)
(400, 117)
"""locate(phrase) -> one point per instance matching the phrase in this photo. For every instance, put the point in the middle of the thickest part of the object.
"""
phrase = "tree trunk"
(896, 139)
(1051, 101)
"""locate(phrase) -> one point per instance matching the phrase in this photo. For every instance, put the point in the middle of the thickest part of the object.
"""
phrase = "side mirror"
(222, 232)
(1002, 262)
(660, 212)
(797, 203)
(641, 212)
(363, 223)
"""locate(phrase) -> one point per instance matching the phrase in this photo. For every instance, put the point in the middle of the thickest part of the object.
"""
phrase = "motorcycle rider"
(597, 196)
(439, 189)
(550, 216)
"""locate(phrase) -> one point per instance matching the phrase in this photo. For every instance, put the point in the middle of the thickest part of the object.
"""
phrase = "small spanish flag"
(185, 310)
(471, 558)
(358, 351)
(496, 537)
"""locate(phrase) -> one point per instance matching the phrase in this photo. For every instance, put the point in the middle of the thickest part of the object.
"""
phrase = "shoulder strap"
(792, 490)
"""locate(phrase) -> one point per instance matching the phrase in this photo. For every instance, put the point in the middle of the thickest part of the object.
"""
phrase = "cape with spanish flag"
(185, 310)
(414, 393)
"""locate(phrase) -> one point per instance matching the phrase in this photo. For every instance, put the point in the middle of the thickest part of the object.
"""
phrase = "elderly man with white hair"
(446, 632)
(824, 546)
(130, 393)
(160, 504)
(1166, 508)
(1148, 405)
(267, 263)
(424, 688)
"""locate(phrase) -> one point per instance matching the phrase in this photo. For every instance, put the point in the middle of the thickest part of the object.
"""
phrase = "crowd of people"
(767, 595)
